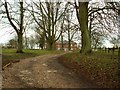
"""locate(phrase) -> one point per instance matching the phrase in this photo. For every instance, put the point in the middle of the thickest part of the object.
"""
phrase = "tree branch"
(6, 8)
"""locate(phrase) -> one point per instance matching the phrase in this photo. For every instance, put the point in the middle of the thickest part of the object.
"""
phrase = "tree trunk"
(20, 34)
(69, 44)
(20, 43)
(51, 45)
(118, 66)
(69, 40)
(18, 31)
(62, 42)
(119, 61)
(85, 33)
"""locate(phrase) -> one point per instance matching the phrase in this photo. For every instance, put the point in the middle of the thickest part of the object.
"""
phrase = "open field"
(102, 68)
(10, 55)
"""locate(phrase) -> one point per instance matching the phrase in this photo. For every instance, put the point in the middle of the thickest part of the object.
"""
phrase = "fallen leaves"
(99, 68)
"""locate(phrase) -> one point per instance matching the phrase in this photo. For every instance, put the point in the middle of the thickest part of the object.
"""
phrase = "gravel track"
(42, 72)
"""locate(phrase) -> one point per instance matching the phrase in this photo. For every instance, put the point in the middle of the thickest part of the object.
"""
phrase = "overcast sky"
(7, 33)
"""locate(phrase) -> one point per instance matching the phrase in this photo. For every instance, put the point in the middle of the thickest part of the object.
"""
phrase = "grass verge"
(100, 68)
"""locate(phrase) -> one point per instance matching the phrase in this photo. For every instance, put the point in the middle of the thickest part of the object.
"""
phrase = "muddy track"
(42, 72)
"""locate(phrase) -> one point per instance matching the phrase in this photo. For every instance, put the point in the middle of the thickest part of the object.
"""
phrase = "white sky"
(108, 44)
(8, 33)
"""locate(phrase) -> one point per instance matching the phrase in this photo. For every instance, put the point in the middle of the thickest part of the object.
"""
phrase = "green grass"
(10, 55)
(100, 67)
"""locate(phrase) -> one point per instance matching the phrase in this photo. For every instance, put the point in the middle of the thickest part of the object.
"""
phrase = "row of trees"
(50, 20)
(28, 43)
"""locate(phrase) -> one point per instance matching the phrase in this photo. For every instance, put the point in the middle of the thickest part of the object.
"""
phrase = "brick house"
(65, 45)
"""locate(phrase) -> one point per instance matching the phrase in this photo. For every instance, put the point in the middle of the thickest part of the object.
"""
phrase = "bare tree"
(87, 17)
(19, 29)
(18, 17)
(48, 18)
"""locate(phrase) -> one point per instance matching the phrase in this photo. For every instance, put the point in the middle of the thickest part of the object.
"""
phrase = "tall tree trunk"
(85, 33)
(68, 30)
(69, 44)
(69, 40)
(119, 47)
(51, 44)
(20, 34)
(18, 30)
(20, 43)
(119, 61)
(62, 42)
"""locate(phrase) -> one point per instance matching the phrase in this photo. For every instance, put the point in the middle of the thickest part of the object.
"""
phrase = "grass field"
(10, 55)
(100, 67)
